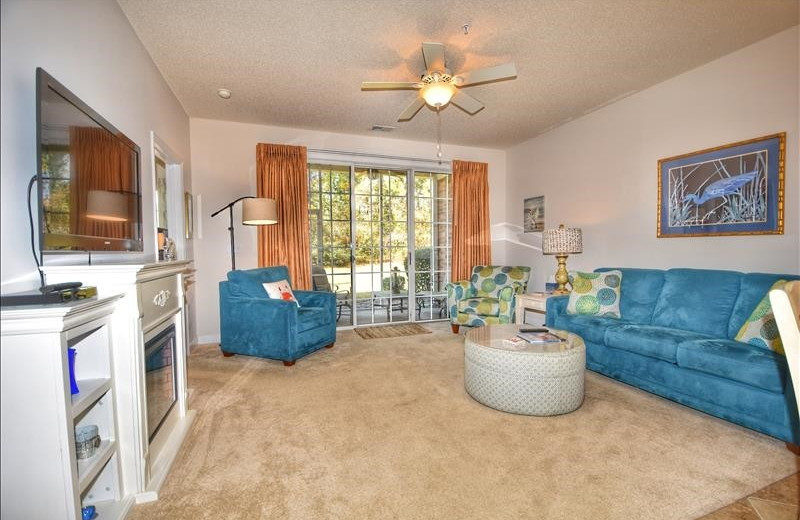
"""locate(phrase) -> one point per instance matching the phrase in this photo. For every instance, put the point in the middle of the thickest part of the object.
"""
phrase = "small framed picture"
(533, 218)
(734, 189)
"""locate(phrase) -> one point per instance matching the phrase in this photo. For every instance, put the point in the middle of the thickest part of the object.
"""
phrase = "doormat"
(391, 331)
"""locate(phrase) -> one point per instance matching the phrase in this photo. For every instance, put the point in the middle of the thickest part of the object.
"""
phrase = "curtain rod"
(379, 156)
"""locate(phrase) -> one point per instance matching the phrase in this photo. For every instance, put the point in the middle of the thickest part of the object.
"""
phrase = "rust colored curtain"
(471, 239)
(282, 174)
(98, 162)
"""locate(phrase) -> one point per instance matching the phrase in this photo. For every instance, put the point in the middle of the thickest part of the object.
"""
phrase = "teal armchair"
(253, 324)
(488, 297)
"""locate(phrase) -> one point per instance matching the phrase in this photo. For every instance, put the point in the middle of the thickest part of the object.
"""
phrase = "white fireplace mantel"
(144, 465)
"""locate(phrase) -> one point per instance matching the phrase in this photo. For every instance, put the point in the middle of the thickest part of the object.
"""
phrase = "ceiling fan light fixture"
(438, 94)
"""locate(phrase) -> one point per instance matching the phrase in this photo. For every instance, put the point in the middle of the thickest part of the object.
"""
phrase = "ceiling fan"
(438, 86)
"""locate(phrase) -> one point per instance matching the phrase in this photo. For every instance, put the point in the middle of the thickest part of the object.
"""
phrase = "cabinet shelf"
(90, 391)
(89, 468)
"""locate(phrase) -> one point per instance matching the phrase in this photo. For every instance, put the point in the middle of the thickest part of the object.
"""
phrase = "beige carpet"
(384, 429)
(391, 331)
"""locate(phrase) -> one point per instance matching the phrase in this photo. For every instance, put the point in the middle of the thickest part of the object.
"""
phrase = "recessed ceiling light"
(224, 93)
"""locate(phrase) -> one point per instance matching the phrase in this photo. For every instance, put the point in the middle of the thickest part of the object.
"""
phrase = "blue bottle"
(73, 384)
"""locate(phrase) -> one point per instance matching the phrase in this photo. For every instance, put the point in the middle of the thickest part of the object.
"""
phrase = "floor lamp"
(255, 212)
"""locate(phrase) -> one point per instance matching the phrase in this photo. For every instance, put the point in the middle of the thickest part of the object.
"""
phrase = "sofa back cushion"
(249, 282)
(753, 288)
(638, 293)
(699, 300)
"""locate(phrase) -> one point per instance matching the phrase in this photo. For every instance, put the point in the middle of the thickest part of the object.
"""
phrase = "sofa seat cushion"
(736, 361)
(590, 328)
(312, 317)
(480, 306)
(649, 340)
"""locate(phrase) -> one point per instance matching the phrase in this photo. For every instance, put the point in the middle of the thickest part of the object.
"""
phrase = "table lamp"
(562, 242)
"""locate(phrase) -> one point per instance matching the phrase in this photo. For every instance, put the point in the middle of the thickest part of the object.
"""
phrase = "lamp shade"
(438, 93)
(259, 212)
(562, 241)
(107, 205)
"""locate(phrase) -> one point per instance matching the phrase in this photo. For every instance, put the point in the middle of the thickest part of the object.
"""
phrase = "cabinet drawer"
(158, 298)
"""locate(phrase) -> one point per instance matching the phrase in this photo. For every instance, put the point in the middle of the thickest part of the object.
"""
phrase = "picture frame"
(188, 215)
(533, 214)
(733, 189)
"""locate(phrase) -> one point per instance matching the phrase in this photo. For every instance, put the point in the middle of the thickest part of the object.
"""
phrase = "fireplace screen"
(160, 380)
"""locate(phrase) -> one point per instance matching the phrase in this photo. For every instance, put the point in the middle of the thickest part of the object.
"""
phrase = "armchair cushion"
(249, 282)
(481, 306)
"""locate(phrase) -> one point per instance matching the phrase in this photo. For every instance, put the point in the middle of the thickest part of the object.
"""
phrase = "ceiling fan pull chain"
(439, 134)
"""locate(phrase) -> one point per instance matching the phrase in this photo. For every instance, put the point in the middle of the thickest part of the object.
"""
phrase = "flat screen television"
(88, 176)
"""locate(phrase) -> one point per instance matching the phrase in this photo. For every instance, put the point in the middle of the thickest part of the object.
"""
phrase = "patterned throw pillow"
(280, 290)
(595, 294)
(761, 329)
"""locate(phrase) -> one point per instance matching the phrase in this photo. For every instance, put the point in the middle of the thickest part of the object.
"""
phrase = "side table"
(536, 302)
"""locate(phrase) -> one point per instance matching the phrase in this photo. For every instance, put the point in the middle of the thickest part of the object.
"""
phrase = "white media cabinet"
(41, 475)
(151, 296)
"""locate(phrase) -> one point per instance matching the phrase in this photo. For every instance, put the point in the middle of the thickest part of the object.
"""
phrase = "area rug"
(376, 429)
(391, 331)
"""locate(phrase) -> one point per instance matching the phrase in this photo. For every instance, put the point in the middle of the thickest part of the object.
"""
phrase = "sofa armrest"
(555, 305)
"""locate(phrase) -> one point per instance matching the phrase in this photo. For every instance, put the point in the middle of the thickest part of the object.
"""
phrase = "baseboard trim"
(211, 338)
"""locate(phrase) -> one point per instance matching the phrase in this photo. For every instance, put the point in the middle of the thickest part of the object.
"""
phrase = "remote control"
(533, 329)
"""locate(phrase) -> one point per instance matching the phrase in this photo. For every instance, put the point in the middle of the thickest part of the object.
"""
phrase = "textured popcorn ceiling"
(300, 63)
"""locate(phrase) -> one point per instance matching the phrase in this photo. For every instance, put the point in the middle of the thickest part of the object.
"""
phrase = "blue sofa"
(253, 324)
(675, 339)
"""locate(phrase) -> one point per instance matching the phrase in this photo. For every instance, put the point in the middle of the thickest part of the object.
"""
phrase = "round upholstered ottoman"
(529, 379)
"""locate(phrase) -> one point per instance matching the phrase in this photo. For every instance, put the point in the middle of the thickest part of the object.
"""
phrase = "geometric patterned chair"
(487, 297)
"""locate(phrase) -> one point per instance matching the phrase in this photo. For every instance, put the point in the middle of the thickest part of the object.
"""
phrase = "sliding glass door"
(380, 239)
(381, 245)
(329, 215)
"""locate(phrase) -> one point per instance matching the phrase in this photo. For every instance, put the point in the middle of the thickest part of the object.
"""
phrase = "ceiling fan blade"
(467, 103)
(433, 53)
(496, 73)
(412, 109)
(389, 85)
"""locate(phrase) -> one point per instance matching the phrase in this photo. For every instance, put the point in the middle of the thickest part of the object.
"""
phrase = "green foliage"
(422, 267)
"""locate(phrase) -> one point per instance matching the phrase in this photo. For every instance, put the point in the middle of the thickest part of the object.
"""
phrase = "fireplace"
(161, 391)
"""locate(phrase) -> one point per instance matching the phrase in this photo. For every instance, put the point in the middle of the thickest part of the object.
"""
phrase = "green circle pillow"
(595, 294)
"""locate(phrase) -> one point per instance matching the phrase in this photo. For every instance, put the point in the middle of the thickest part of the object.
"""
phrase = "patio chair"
(319, 280)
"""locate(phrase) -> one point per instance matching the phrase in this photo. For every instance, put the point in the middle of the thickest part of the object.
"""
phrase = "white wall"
(223, 165)
(599, 172)
(89, 46)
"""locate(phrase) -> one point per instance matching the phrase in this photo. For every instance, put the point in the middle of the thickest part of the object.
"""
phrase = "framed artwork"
(533, 218)
(188, 215)
(735, 189)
